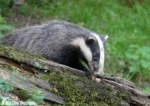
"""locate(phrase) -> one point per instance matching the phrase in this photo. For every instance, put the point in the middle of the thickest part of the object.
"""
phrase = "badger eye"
(95, 59)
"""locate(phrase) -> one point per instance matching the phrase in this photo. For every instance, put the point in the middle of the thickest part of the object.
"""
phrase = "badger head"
(98, 50)
(93, 52)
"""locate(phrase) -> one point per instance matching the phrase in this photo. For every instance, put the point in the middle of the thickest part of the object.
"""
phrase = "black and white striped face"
(94, 52)
(99, 49)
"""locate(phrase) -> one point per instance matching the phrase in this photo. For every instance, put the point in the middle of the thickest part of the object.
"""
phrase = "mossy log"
(63, 85)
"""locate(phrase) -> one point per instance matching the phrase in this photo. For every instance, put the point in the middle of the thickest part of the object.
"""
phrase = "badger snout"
(99, 73)
(96, 67)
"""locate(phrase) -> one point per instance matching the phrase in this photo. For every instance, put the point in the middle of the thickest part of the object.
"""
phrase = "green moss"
(7, 66)
(23, 95)
(21, 56)
(16, 54)
(45, 77)
(41, 66)
(39, 57)
(81, 91)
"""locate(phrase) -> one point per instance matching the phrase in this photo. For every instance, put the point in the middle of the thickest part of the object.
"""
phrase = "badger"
(62, 42)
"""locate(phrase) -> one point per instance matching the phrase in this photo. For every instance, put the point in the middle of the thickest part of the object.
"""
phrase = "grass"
(146, 89)
(4, 27)
(126, 22)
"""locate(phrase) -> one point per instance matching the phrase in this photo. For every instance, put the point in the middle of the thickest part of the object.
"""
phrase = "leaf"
(84, 64)
(5, 86)
(134, 46)
(122, 63)
(2, 21)
(6, 27)
(2, 81)
(38, 99)
(37, 96)
(128, 55)
(133, 69)
(145, 64)
(131, 56)
(135, 57)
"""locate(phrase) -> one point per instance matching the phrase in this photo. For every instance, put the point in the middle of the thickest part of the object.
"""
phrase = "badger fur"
(64, 43)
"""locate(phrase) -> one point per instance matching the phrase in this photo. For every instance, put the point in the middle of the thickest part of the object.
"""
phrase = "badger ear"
(90, 40)
(106, 37)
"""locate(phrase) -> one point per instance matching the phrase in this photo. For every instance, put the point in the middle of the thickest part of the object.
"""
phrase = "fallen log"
(64, 85)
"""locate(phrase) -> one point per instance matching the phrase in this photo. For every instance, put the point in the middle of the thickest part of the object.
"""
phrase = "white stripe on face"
(80, 42)
(102, 55)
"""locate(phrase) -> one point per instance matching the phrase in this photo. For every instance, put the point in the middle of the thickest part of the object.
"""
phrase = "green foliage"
(5, 86)
(4, 27)
(37, 96)
(6, 101)
(5, 5)
(138, 59)
(84, 64)
(40, 2)
(147, 89)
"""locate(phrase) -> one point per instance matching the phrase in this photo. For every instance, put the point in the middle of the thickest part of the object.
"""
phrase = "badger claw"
(88, 74)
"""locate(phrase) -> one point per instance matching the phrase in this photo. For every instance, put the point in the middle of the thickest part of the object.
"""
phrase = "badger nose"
(99, 74)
